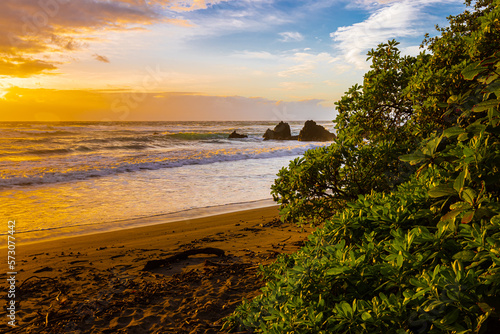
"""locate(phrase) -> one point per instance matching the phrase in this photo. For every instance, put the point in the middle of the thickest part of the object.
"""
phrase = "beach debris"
(153, 264)
(282, 241)
(252, 229)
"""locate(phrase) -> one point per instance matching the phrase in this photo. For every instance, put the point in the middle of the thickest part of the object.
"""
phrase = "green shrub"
(321, 182)
(421, 256)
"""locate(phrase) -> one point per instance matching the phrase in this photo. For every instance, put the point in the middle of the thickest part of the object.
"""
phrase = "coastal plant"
(386, 264)
(379, 109)
(402, 100)
(323, 180)
(470, 37)
(424, 258)
(372, 132)
(420, 257)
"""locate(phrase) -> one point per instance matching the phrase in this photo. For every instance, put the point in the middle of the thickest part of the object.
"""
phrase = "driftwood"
(153, 264)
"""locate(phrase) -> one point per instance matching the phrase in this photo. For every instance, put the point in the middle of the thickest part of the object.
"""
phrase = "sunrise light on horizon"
(156, 60)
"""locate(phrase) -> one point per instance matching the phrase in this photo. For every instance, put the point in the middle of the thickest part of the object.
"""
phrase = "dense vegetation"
(408, 198)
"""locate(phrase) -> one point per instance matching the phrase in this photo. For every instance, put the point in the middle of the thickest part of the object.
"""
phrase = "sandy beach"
(97, 283)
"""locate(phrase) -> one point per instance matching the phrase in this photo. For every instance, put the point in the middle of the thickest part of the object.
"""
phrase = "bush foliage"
(410, 241)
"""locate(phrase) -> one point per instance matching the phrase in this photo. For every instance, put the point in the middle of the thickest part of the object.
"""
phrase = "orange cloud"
(29, 28)
(103, 59)
(22, 67)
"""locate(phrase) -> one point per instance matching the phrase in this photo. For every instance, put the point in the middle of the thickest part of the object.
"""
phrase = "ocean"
(71, 178)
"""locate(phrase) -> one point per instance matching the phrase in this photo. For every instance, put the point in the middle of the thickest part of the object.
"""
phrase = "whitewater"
(69, 178)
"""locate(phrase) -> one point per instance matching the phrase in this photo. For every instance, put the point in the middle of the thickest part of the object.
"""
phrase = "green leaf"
(451, 215)
(488, 80)
(319, 317)
(346, 308)
(336, 271)
(485, 307)
(469, 195)
(432, 145)
(467, 218)
(433, 305)
(413, 158)
(461, 206)
(485, 105)
(450, 317)
(399, 260)
(366, 316)
(463, 136)
(466, 255)
(442, 190)
(453, 131)
(472, 71)
(417, 283)
(459, 181)
(476, 128)
(453, 99)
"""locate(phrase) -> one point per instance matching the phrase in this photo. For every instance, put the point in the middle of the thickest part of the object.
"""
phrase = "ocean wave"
(48, 151)
(137, 147)
(196, 135)
(153, 162)
(47, 132)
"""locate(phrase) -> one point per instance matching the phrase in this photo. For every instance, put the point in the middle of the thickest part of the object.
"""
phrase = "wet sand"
(97, 283)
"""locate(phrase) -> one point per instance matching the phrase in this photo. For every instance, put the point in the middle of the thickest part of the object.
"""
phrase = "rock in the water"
(314, 132)
(234, 134)
(269, 134)
(280, 132)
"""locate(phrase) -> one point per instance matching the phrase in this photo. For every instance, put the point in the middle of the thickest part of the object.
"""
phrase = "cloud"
(390, 19)
(183, 5)
(331, 83)
(23, 67)
(264, 55)
(32, 29)
(386, 23)
(306, 64)
(238, 16)
(291, 36)
(293, 86)
(370, 3)
(103, 59)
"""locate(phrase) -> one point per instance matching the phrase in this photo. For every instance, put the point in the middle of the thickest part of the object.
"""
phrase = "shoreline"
(93, 283)
(56, 233)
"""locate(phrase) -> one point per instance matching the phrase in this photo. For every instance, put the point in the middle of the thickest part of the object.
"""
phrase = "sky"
(189, 60)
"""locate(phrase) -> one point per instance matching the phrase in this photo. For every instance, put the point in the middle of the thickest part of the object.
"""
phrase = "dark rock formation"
(314, 132)
(280, 132)
(234, 134)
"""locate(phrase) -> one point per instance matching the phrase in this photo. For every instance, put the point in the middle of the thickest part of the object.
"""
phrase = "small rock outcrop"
(280, 132)
(314, 132)
(234, 134)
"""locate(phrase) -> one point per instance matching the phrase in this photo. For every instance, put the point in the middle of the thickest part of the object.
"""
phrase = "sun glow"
(2, 94)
